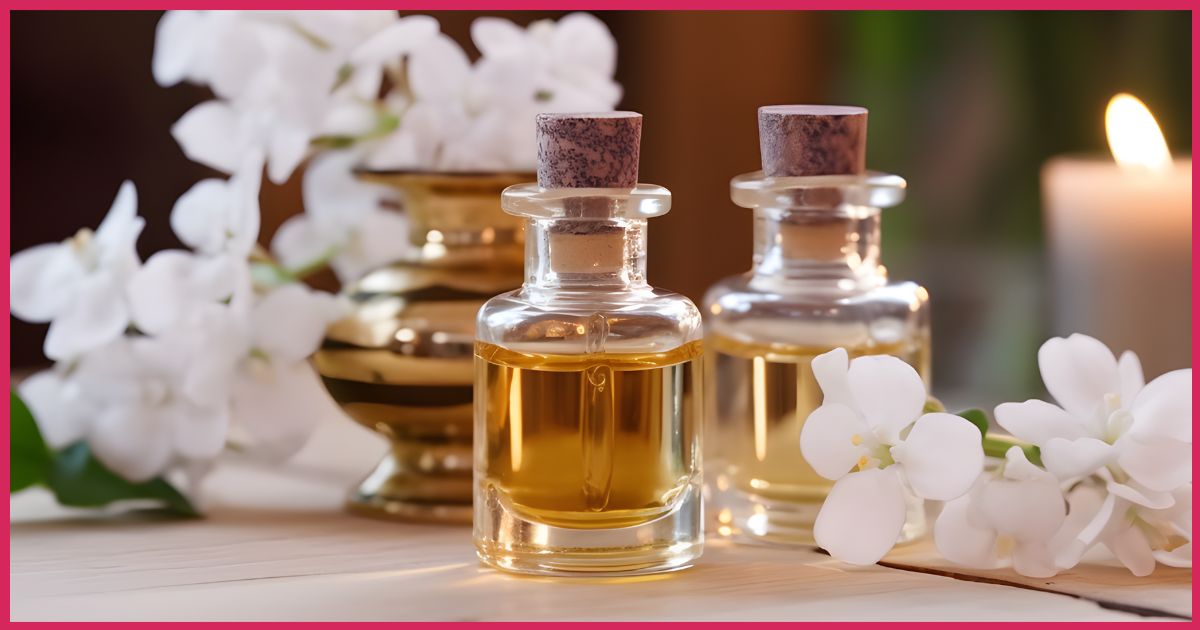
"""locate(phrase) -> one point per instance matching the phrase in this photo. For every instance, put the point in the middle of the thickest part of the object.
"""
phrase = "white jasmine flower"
(282, 78)
(1007, 519)
(463, 117)
(77, 285)
(217, 216)
(870, 436)
(278, 397)
(1134, 437)
(150, 403)
(344, 222)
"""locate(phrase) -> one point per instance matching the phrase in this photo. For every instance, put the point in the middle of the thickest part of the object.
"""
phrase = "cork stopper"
(597, 150)
(801, 140)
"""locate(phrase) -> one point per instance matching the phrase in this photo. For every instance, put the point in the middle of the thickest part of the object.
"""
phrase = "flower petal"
(495, 36)
(116, 237)
(211, 133)
(133, 441)
(1092, 514)
(827, 440)
(199, 432)
(438, 70)
(172, 285)
(1068, 459)
(286, 149)
(42, 281)
(583, 44)
(1164, 407)
(889, 393)
(1132, 379)
(1139, 495)
(1129, 545)
(1032, 558)
(1078, 371)
(300, 241)
(862, 517)
(174, 46)
(1017, 467)
(1036, 422)
(382, 238)
(289, 323)
(97, 315)
(962, 542)
(1023, 510)
(1180, 556)
(1157, 463)
(830, 370)
(942, 456)
(279, 405)
(396, 40)
(56, 407)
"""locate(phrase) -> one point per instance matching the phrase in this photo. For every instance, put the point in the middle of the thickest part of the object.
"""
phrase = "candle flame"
(1135, 139)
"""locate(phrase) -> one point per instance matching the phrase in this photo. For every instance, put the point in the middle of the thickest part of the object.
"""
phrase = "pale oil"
(765, 489)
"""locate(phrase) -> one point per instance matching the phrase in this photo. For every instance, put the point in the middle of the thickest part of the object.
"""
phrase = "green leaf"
(78, 479)
(30, 459)
(978, 418)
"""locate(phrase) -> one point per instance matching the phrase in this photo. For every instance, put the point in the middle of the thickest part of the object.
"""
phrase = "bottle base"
(754, 519)
(628, 561)
(506, 540)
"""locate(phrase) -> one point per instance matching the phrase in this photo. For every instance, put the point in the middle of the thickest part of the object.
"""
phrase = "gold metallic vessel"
(401, 363)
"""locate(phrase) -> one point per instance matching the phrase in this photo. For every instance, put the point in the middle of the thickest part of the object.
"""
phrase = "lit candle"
(1120, 238)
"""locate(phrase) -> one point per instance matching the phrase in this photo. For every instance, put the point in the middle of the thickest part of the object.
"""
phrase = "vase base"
(410, 511)
(402, 489)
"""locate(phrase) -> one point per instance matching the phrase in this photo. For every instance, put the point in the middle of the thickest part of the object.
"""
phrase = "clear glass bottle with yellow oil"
(588, 402)
(816, 284)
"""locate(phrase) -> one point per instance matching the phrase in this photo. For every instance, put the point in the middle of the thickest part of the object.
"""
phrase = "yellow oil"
(588, 441)
(760, 396)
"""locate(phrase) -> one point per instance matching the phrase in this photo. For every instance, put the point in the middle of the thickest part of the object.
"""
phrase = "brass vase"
(401, 364)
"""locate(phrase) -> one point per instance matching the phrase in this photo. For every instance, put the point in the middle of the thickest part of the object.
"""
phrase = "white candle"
(1120, 239)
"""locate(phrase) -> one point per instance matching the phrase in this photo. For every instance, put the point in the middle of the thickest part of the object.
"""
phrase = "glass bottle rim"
(643, 201)
(870, 189)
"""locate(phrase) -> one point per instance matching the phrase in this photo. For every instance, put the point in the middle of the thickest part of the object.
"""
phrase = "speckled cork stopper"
(801, 140)
(588, 150)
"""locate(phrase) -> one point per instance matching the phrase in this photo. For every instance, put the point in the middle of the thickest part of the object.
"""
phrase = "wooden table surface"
(277, 546)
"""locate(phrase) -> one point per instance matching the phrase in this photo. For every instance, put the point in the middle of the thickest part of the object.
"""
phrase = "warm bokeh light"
(1134, 137)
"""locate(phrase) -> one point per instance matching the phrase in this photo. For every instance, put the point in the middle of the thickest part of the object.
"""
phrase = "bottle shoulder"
(572, 322)
(746, 292)
(738, 308)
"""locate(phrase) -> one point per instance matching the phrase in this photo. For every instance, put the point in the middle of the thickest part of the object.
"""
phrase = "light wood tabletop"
(276, 545)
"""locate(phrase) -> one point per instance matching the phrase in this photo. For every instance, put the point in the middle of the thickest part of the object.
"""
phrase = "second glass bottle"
(816, 284)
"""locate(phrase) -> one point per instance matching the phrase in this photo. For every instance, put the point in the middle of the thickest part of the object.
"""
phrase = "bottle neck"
(819, 245)
(585, 253)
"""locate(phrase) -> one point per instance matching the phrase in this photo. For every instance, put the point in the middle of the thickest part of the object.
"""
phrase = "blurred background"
(966, 106)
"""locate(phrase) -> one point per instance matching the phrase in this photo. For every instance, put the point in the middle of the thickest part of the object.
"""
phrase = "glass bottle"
(587, 399)
(816, 284)
(400, 363)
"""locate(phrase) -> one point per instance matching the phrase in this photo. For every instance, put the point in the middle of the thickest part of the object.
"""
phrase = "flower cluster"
(1109, 465)
(373, 89)
(160, 364)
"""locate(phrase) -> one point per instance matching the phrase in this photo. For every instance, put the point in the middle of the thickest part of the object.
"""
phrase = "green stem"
(998, 445)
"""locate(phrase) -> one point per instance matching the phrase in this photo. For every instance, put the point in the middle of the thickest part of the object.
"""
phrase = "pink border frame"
(495, 5)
